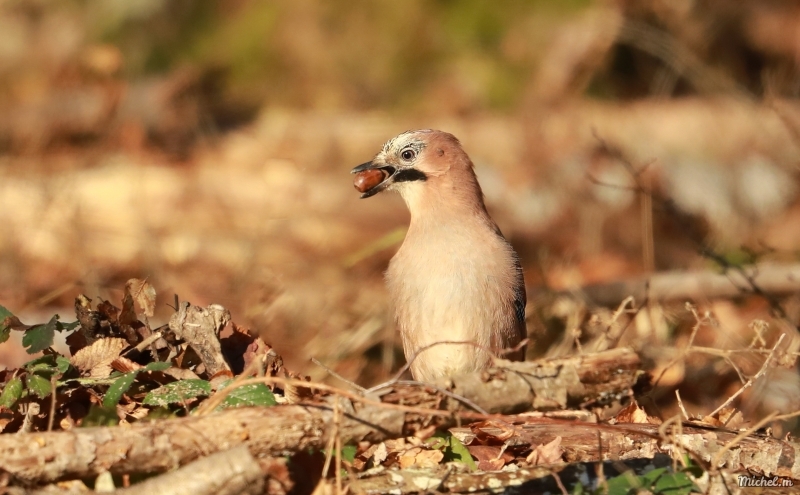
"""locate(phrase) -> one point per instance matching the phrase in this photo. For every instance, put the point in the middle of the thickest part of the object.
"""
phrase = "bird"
(455, 278)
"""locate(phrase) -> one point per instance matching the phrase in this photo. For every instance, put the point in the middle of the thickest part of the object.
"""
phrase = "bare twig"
(680, 404)
(441, 390)
(752, 380)
(746, 433)
(53, 388)
(337, 375)
(688, 347)
(407, 366)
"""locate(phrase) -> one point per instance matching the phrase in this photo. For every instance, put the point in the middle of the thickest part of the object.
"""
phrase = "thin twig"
(441, 390)
(752, 380)
(157, 334)
(559, 483)
(212, 402)
(53, 388)
(331, 442)
(738, 438)
(680, 404)
(688, 347)
(337, 375)
(337, 418)
(406, 366)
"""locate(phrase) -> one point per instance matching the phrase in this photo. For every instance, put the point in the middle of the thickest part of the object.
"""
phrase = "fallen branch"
(230, 472)
(591, 443)
(152, 447)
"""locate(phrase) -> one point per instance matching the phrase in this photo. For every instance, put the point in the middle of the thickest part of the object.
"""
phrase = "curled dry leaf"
(143, 293)
(728, 417)
(546, 454)
(97, 358)
(124, 365)
(490, 457)
(13, 323)
(373, 456)
(634, 414)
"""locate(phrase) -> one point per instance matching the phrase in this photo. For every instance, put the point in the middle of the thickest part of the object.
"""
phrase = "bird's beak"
(373, 178)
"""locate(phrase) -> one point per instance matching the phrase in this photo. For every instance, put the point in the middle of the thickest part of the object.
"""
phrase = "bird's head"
(411, 160)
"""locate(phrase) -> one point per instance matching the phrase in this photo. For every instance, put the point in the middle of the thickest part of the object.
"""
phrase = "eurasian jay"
(455, 277)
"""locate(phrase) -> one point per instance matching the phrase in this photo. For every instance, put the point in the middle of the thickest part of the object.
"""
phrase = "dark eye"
(408, 154)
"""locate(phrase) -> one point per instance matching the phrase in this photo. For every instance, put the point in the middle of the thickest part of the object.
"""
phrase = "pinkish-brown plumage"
(455, 278)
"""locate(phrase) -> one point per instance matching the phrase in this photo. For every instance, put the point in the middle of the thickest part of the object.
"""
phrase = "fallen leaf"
(420, 458)
(546, 454)
(632, 413)
(143, 293)
(97, 358)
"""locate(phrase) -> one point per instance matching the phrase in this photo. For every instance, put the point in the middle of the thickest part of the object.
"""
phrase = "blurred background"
(206, 146)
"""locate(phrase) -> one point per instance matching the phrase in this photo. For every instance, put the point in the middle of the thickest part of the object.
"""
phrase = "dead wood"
(151, 447)
(584, 442)
(442, 479)
(230, 472)
(158, 446)
(587, 443)
(771, 278)
(552, 384)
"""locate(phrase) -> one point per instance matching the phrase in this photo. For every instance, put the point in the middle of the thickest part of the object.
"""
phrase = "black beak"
(364, 166)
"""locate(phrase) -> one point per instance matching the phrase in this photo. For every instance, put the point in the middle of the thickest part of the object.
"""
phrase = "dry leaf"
(124, 365)
(143, 293)
(493, 431)
(13, 323)
(730, 417)
(546, 454)
(490, 457)
(421, 458)
(97, 358)
(380, 454)
(632, 413)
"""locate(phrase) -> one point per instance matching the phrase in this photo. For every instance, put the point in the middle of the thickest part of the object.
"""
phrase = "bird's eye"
(408, 154)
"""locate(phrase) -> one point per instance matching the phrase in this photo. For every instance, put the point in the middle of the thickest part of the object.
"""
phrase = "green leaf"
(38, 385)
(458, 452)
(48, 365)
(11, 393)
(257, 394)
(658, 481)
(5, 331)
(100, 416)
(454, 450)
(62, 364)
(42, 363)
(67, 326)
(40, 337)
(670, 483)
(349, 453)
(119, 387)
(622, 484)
(157, 366)
(177, 392)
